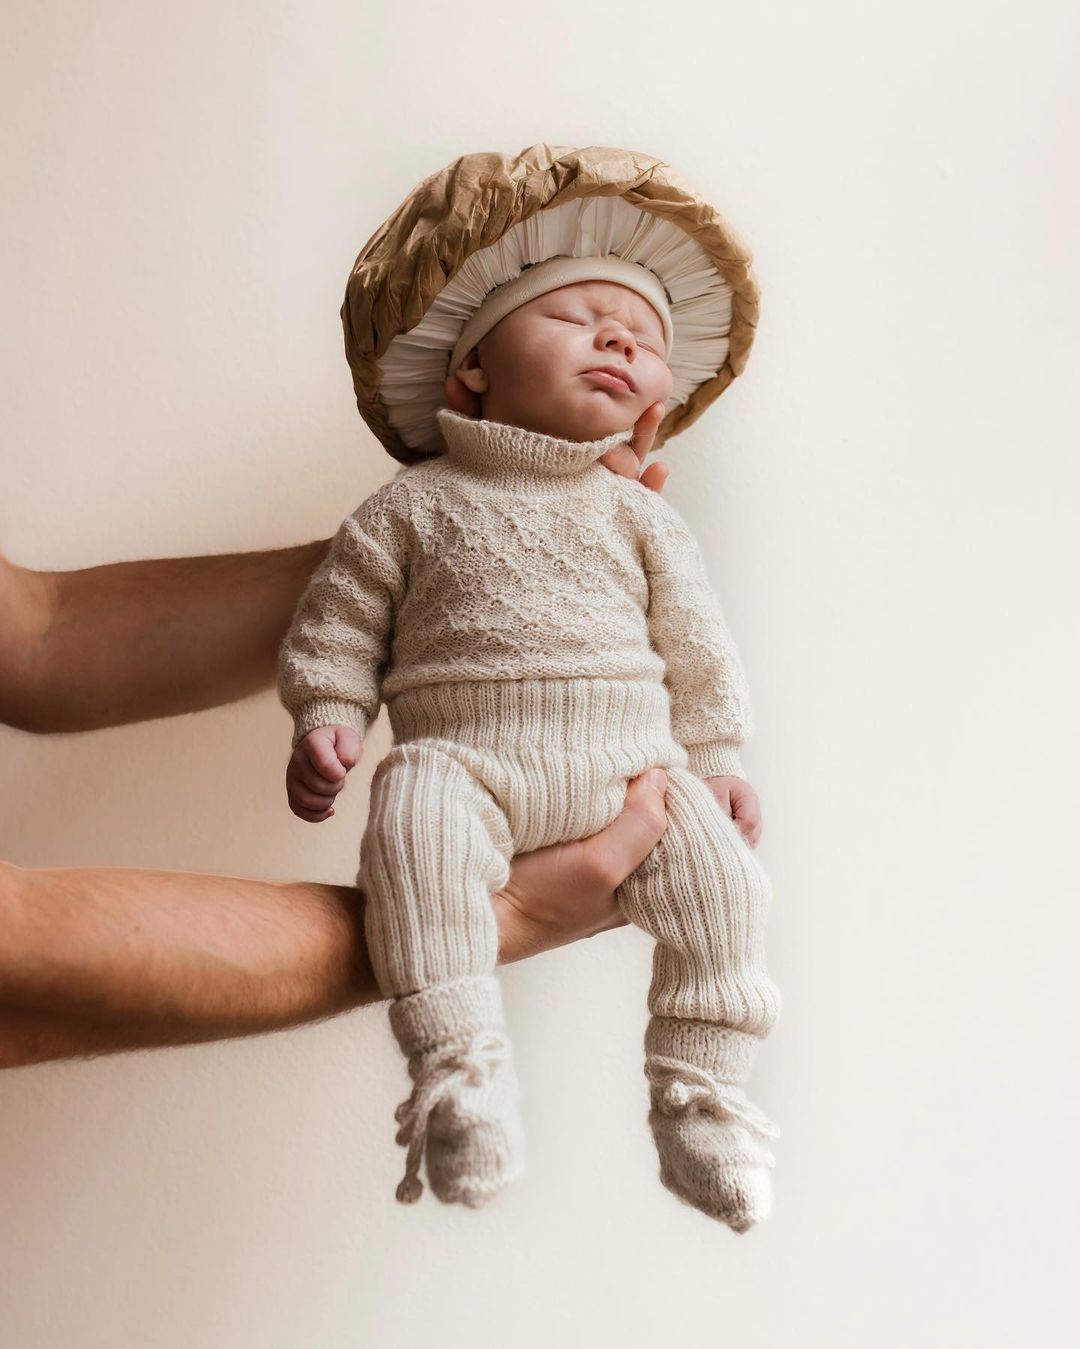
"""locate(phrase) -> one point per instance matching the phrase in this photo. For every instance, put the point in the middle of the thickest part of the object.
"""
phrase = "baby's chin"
(596, 417)
(601, 424)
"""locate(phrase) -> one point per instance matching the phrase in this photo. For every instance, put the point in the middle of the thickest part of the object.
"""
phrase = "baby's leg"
(704, 897)
(436, 846)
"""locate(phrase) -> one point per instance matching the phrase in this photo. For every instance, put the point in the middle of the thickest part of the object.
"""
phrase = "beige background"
(886, 499)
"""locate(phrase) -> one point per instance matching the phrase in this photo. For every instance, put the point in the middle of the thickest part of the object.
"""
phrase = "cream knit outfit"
(541, 630)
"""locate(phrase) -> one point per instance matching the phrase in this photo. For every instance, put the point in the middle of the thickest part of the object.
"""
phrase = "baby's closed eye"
(641, 341)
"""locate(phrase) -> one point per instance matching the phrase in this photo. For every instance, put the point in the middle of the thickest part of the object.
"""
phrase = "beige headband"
(549, 275)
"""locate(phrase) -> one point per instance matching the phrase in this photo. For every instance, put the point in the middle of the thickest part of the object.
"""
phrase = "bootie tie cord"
(681, 1084)
(471, 1065)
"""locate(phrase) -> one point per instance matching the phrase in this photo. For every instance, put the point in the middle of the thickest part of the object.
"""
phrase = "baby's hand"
(741, 802)
(317, 769)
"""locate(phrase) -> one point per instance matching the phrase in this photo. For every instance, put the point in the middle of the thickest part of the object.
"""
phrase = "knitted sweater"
(515, 555)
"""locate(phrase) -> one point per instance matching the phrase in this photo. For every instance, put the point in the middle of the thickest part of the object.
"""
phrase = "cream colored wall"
(886, 499)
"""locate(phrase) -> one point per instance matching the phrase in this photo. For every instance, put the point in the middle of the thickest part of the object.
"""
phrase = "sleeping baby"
(541, 630)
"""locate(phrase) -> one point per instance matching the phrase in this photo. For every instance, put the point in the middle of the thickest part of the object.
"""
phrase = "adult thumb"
(643, 820)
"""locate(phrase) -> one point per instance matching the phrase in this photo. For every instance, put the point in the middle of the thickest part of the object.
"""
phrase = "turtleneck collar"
(498, 450)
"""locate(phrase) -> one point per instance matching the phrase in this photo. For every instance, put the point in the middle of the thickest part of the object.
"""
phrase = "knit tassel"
(471, 1066)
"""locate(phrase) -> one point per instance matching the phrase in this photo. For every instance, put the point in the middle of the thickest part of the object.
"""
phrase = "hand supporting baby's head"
(536, 367)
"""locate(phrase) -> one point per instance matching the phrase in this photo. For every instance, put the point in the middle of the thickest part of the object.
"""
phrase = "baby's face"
(533, 369)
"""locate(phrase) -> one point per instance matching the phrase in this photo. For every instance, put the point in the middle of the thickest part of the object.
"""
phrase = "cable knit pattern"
(541, 630)
(515, 555)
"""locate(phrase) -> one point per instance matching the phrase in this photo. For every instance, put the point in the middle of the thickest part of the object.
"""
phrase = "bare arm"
(143, 639)
(133, 641)
(95, 960)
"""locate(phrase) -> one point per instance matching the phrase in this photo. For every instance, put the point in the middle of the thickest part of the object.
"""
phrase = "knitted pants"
(481, 771)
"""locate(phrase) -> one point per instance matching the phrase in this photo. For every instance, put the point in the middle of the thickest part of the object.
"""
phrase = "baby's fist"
(739, 800)
(317, 769)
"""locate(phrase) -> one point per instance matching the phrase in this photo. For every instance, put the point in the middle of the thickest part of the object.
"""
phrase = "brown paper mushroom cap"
(479, 221)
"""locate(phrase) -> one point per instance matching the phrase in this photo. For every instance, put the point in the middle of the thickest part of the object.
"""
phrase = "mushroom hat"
(489, 232)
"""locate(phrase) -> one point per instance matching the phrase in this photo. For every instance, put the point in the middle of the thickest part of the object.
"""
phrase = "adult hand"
(95, 960)
(564, 892)
(627, 459)
(624, 459)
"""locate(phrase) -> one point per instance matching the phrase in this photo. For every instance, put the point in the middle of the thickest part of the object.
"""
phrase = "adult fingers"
(645, 430)
(634, 833)
(655, 476)
(622, 460)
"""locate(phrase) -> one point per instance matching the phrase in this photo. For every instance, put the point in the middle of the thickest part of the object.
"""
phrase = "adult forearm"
(175, 957)
(25, 600)
(98, 960)
(148, 639)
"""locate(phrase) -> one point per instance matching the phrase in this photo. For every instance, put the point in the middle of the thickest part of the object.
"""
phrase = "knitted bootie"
(708, 1135)
(463, 1112)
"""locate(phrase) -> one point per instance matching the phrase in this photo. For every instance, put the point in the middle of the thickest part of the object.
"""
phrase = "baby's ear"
(471, 373)
(460, 397)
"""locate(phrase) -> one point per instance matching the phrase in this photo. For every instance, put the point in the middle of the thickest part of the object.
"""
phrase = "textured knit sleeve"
(334, 656)
(711, 713)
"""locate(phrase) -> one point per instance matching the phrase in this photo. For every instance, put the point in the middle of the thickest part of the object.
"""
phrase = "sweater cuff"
(325, 712)
(717, 759)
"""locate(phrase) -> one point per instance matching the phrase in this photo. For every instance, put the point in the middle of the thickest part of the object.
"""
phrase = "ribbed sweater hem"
(554, 716)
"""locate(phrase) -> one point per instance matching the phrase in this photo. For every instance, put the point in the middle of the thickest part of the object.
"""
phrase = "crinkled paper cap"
(479, 220)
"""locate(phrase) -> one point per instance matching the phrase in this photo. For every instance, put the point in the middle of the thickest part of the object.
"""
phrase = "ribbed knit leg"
(704, 897)
(435, 848)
